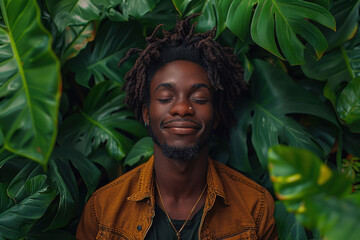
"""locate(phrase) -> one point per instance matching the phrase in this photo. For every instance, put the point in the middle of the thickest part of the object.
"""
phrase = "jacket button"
(139, 227)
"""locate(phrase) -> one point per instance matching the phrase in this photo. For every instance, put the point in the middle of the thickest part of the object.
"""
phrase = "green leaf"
(102, 122)
(88, 171)
(336, 218)
(164, 13)
(76, 38)
(288, 227)
(64, 182)
(213, 13)
(337, 67)
(207, 20)
(17, 183)
(140, 152)
(134, 8)
(333, 65)
(5, 156)
(348, 105)
(112, 42)
(112, 167)
(298, 174)
(72, 12)
(181, 5)
(5, 202)
(266, 115)
(138, 8)
(346, 15)
(29, 82)
(17, 220)
(280, 22)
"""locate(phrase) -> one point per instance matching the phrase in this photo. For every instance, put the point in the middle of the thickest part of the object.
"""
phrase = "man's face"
(180, 113)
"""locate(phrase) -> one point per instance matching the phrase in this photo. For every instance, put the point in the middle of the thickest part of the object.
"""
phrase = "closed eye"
(164, 100)
(200, 101)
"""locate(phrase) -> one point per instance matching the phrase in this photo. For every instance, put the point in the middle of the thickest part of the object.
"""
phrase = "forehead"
(180, 73)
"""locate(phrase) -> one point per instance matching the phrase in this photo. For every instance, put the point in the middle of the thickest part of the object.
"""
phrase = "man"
(182, 87)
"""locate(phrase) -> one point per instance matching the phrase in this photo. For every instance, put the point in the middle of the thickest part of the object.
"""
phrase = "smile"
(181, 127)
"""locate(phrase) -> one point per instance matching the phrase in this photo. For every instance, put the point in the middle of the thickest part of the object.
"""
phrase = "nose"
(182, 108)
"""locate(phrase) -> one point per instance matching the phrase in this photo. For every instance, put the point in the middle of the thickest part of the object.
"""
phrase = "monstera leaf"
(281, 23)
(337, 68)
(318, 196)
(265, 115)
(103, 121)
(67, 13)
(112, 42)
(29, 82)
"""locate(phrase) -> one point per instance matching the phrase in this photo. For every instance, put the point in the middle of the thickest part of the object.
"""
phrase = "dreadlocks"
(223, 69)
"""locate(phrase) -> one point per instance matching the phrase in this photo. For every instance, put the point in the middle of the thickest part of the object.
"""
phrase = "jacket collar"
(145, 188)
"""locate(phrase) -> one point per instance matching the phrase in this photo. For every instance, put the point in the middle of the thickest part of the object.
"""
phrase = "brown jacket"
(235, 207)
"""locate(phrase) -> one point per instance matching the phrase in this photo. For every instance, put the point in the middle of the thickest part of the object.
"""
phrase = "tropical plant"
(64, 130)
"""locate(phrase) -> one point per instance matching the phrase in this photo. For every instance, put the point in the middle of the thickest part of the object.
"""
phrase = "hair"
(222, 66)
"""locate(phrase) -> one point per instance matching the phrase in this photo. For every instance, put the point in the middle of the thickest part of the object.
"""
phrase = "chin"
(180, 153)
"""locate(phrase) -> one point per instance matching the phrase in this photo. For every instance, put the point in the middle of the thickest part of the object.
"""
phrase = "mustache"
(162, 124)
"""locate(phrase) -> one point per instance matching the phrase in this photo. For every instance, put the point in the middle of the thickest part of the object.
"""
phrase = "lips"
(181, 127)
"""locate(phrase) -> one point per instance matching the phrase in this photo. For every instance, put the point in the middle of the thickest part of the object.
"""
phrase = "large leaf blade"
(101, 63)
(76, 38)
(348, 105)
(103, 121)
(140, 152)
(16, 221)
(266, 114)
(318, 196)
(281, 22)
(336, 218)
(29, 83)
(298, 174)
(72, 12)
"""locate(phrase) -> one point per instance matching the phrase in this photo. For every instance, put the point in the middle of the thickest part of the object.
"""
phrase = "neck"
(180, 179)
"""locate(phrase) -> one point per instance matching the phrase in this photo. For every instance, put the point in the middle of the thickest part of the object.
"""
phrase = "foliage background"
(64, 130)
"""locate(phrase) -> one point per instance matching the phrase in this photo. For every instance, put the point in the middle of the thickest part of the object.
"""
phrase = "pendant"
(178, 235)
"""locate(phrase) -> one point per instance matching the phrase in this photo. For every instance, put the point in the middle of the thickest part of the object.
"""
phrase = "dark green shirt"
(161, 228)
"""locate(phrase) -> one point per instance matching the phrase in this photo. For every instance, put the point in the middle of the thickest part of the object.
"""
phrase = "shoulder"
(248, 205)
(240, 188)
(121, 186)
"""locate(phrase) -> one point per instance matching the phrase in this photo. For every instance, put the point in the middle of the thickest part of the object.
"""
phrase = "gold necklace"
(178, 233)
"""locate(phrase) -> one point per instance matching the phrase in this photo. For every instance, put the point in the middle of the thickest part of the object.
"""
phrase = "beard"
(181, 154)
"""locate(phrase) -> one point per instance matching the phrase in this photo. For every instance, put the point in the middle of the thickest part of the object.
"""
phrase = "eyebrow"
(171, 86)
(200, 85)
(164, 85)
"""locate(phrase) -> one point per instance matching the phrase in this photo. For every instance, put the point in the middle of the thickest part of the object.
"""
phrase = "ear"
(216, 120)
(145, 114)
